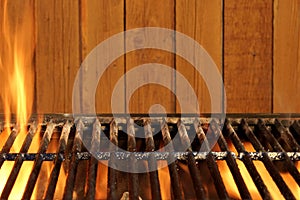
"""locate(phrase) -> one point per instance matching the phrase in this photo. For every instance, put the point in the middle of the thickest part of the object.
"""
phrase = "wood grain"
(248, 55)
(154, 13)
(66, 31)
(286, 56)
(100, 19)
(57, 54)
(202, 21)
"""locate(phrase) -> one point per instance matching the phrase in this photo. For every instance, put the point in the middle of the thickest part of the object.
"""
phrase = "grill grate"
(275, 140)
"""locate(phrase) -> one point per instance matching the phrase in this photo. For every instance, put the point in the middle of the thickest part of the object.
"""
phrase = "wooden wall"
(255, 44)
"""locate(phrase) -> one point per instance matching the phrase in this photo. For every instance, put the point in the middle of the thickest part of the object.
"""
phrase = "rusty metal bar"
(195, 175)
(38, 161)
(133, 186)
(8, 144)
(231, 162)
(18, 163)
(211, 162)
(286, 135)
(201, 136)
(275, 144)
(152, 163)
(105, 155)
(216, 176)
(77, 145)
(295, 129)
(228, 130)
(175, 183)
(112, 174)
(58, 161)
(284, 189)
(93, 163)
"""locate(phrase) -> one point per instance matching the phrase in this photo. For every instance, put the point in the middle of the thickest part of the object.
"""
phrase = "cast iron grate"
(275, 139)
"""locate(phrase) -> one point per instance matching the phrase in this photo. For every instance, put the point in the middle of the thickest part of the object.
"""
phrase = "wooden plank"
(154, 13)
(202, 21)
(248, 55)
(57, 54)
(100, 19)
(286, 56)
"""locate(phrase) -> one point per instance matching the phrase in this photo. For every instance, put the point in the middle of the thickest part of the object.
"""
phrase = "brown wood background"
(255, 44)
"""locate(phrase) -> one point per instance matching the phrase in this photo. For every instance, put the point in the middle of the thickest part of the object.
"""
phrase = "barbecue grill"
(82, 155)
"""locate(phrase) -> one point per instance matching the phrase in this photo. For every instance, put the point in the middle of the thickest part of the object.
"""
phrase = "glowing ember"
(268, 180)
(248, 180)
(164, 181)
(244, 172)
(101, 182)
(228, 180)
(4, 173)
(291, 181)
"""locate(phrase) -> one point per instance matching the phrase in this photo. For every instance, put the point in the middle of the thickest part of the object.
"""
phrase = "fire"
(229, 181)
(17, 48)
(244, 172)
(272, 187)
(164, 180)
(40, 188)
(25, 170)
(16, 75)
(101, 182)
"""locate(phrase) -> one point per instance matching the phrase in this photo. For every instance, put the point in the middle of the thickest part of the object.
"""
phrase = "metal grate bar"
(8, 144)
(181, 156)
(133, 186)
(228, 130)
(275, 144)
(77, 145)
(152, 165)
(38, 161)
(231, 162)
(112, 173)
(18, 163)
(287, 136)
(285, 191)
(195, 175)
(93, 163)
(172, 166)
(295, 129)
(58, 161)
(211, 162)
(215, 173)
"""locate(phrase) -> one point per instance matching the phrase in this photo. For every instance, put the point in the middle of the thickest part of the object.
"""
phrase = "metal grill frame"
(245, 124)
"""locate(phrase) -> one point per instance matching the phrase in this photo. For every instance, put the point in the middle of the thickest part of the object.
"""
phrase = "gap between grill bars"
(252, 158)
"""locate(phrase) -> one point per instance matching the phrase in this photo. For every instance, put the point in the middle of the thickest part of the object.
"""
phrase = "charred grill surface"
(141, 142)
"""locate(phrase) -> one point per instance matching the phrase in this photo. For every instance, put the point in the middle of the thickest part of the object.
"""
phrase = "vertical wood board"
(57, 54)
(248, 55)
(286, 56)
(155, 14)
(100, 20)
(202, 21)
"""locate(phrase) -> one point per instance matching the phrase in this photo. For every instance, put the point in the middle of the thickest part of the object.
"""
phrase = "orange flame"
(17, 47)
(164, 180)
(271, 185)
(101, 182)
(21, 181)
(16, 75)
